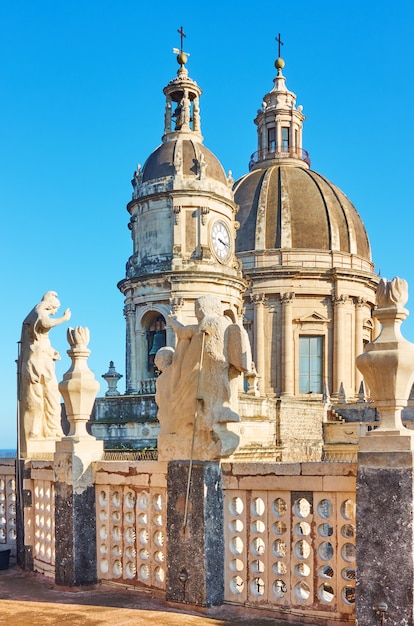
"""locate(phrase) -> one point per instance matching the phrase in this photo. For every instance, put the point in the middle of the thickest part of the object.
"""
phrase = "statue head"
(208, 305)
(50, 301)
(164, 357)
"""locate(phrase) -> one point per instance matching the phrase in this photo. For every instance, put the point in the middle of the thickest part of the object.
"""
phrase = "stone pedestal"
(385, 540)
(75, 514)
(385, 503)
(195, 553)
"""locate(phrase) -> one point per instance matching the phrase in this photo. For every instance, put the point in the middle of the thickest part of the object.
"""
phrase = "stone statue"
(39, 397)
(200, 381)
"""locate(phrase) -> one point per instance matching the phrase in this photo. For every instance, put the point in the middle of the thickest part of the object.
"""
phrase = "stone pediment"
(313, 318)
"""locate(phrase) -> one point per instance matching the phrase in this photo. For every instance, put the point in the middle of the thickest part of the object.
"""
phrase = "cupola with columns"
(305, 250)
(279, 125)
(183, 231)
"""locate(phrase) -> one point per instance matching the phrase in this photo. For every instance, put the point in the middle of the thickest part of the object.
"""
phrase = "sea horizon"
(7, 453)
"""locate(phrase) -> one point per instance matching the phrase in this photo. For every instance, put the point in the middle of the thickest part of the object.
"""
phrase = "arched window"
(156, 338)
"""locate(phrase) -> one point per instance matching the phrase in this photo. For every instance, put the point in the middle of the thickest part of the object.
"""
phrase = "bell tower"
(182, 222)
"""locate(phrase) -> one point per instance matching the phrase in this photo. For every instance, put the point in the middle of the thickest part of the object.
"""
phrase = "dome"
(161, 163)
(288, 207)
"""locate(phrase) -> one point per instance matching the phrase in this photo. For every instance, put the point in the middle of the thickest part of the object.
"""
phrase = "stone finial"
(391, 293)
(388, 366)
(112, 377)
(78, 387)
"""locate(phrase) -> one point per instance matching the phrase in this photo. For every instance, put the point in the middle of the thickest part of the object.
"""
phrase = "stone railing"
(7, 504)
(131, 523)
(43, 517)
(290, 538)
(289, 532)
(147, 386)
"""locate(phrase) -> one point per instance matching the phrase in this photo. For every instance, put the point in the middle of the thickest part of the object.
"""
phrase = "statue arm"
(182, 332)
(50, 322)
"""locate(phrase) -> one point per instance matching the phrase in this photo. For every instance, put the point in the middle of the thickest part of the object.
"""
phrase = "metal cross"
(182, 34)
(280, 43)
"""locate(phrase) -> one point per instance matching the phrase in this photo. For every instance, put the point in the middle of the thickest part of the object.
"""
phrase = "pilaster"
(288, 366)
(360, 305)
(339, 333)
(259, 300)
(129, 313)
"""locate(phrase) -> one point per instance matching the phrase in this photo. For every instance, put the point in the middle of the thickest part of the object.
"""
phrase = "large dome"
(161, 163)
(288, 207)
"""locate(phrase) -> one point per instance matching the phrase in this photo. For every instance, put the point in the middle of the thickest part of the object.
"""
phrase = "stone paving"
(28, 599)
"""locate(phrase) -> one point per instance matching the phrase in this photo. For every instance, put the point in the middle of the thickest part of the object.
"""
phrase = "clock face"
(221, 240)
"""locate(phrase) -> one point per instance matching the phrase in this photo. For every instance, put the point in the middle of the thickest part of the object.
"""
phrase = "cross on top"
(182, 34)
(280, 43)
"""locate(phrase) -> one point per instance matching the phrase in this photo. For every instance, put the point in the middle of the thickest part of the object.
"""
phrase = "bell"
(158, 342)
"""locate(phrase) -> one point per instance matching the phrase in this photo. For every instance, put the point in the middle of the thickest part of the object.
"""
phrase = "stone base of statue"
(385, 542)
(209, 445)
(38, 449)
(195, 573)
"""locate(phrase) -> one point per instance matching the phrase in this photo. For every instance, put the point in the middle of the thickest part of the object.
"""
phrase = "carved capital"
(342, 299)
(258, 298)
(129, 310)
(287, 297)
(204, 211)
(360, 302)
(176, 304)
(176, 211)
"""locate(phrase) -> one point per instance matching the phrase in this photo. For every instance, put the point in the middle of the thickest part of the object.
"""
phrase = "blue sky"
(81, 104)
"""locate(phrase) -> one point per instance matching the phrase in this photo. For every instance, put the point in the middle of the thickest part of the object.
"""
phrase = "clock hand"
(223, 242)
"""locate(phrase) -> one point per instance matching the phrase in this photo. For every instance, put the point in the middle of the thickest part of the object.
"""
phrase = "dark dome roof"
(160, 163)
(297, 209)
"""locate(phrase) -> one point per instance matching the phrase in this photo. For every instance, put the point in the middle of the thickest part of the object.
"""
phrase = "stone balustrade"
(7, 504)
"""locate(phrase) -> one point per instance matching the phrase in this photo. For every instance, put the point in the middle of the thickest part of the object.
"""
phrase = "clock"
(221, 240)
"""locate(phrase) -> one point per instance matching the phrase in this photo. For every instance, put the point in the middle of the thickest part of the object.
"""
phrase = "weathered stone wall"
(300, 429)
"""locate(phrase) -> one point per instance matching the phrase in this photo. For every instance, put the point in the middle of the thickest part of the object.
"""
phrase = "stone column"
(195, 553)
(75, 513)
(141, 359)
(288, 365)
(359, 337)
(339, 328)
(258, 300)
(385, 478)
(130, 368)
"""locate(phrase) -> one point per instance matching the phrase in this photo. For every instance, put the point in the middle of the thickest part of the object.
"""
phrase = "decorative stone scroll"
(199, 384)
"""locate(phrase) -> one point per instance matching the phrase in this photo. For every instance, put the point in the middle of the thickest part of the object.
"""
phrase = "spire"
(279, 124)
(182, 109)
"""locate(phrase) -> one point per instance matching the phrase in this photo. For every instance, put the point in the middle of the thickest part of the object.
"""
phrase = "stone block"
(384, 546)
(195, 552)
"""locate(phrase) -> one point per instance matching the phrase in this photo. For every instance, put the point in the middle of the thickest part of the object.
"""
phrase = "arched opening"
(155, 332)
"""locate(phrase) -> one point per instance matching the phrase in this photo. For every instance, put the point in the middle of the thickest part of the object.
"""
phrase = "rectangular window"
(285, 139)
(271, 139)
(310, 364)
